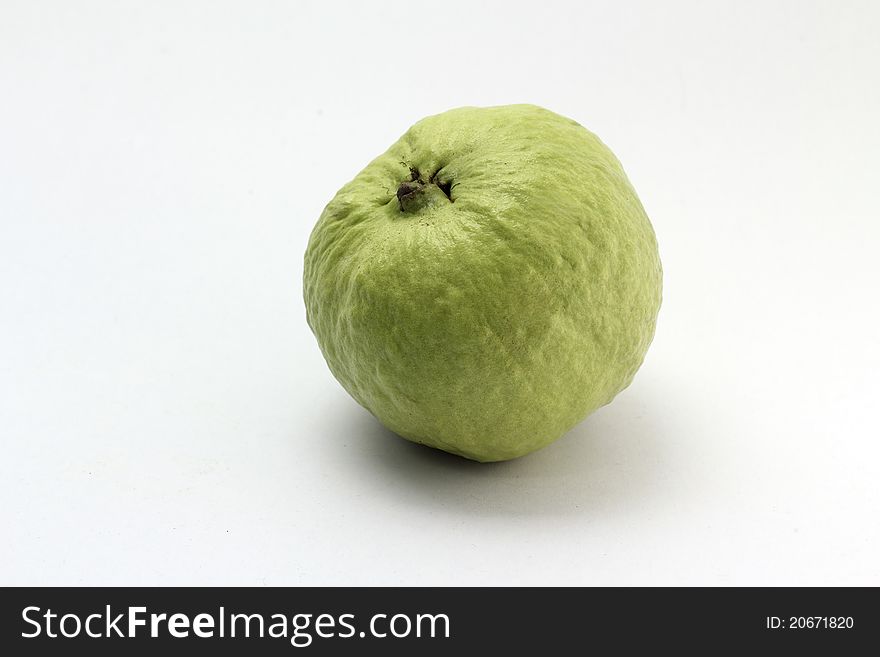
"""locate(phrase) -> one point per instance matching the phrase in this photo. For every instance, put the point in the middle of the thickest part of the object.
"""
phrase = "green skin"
(487, 282)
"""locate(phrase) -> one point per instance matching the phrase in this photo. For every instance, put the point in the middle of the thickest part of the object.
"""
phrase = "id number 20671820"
(809, 623)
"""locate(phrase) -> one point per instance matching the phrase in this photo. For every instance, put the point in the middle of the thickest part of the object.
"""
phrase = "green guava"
(487, 282)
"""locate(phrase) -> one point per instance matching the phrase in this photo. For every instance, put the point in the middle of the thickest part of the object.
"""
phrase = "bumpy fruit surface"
(487, 282)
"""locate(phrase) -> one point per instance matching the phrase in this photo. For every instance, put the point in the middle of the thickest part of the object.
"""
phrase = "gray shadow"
(609, 462)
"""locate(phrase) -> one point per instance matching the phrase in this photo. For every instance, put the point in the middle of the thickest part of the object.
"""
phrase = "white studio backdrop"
(166, 416)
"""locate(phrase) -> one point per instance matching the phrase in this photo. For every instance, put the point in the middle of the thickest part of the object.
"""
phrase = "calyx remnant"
(415, 193)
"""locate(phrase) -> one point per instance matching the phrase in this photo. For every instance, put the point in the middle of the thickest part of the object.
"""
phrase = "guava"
(487, 282)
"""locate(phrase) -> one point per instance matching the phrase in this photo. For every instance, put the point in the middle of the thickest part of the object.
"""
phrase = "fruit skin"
(490, 324)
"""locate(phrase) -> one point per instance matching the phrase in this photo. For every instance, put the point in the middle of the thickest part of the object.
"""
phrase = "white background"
(167, 418)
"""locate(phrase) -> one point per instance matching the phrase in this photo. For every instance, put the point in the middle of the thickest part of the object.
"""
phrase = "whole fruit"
(487, 282)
